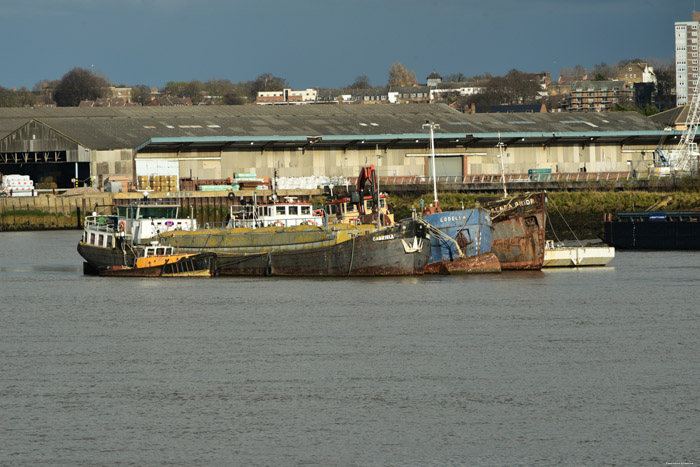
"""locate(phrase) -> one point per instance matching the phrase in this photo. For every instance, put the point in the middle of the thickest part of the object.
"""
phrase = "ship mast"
(432, 127)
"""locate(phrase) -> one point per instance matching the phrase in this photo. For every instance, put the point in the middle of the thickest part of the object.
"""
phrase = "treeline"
(515, 87)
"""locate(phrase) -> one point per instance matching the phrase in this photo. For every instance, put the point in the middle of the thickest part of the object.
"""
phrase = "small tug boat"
(158, 260)
(114, 240)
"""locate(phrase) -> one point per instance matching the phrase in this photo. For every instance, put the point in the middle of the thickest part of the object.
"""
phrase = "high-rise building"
(687, 58)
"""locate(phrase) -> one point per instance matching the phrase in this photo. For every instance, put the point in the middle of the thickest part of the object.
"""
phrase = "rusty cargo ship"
(519, 230)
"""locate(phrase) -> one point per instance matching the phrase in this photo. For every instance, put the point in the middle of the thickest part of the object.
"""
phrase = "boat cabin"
(287, 214)
(342, 210)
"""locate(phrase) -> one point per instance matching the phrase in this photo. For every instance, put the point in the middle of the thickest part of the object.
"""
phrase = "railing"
(251, 223)
(513, 178)
(100, 223)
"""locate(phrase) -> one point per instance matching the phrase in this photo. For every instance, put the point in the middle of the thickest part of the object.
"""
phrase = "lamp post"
(503, 170)
(432, 127)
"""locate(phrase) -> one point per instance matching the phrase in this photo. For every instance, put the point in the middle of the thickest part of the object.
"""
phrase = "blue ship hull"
(470, 228)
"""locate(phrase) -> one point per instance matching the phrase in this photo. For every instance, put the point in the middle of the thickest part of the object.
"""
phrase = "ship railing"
(270, 222)
(100, 223)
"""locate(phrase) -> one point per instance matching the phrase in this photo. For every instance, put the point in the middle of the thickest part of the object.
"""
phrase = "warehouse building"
(214, 142)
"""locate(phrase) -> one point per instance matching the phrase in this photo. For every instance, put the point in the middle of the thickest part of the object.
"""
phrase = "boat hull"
(578, 256)
(519, 231)
(652, 235)
(486, 263)
(98, 257)
(470, 229)
(401, 249)
(200, 265)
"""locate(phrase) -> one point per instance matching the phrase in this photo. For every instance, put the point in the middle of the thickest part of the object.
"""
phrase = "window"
(293, 210)
(306, 210)
(101, 240)
(92, 238)
(280, 210)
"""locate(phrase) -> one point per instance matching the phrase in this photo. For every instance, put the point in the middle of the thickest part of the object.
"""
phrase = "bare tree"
(175, 88)
(456, 78)
(194, 90)
(267, 82)
(78, 85)
(361, 82)
(141, 94)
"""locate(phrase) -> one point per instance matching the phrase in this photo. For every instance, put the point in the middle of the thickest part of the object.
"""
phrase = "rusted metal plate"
(519, 231)
(486, 263)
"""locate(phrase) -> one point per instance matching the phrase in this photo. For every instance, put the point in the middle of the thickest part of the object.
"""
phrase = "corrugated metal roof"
(128, 127)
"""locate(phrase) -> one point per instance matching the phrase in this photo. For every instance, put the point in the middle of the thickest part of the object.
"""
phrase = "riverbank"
(571, 215)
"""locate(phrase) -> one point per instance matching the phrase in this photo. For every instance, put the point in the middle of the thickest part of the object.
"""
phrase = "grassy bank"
(581, 211)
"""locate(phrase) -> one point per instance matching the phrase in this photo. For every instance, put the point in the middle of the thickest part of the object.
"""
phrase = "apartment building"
(597, 96)
(686, 35)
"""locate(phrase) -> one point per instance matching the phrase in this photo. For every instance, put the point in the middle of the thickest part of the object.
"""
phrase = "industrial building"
(214, 142)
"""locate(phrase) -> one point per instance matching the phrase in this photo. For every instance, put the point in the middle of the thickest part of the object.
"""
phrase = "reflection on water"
(556, 367)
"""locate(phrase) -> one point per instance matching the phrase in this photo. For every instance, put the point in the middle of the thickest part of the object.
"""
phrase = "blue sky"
(324, 43)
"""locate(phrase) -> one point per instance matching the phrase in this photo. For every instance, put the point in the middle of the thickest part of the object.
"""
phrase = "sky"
(324, 43)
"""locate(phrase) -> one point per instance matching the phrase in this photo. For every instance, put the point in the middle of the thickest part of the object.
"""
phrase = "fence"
(511, 177)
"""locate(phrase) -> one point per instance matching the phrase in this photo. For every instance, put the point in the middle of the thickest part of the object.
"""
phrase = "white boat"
(560, 256)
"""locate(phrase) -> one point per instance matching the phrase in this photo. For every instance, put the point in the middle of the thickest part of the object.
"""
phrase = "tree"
(78, 85)
(141, 94)
(455, 78)
(175, 88)
(665, 86)
(193, 90)
(266, 82)
(604, 71)
(400, 76)
(578, 72)
(361, 82)
(232, 98)
(16, 97)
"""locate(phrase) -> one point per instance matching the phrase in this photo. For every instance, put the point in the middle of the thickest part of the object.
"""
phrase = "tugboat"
(161, 261)
(113, 239)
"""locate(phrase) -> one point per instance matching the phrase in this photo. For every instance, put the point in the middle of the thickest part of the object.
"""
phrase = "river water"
(560, 367)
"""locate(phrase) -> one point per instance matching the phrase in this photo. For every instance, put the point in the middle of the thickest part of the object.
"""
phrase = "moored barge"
(653, 230)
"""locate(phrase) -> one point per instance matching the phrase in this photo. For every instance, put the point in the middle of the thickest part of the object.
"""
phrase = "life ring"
(310, 222)
(122, 226)
(279, 223)
(231, 195)
(319, 213)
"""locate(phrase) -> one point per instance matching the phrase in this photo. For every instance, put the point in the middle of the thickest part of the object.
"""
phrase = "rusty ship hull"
(519, 231)
(397, 250)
